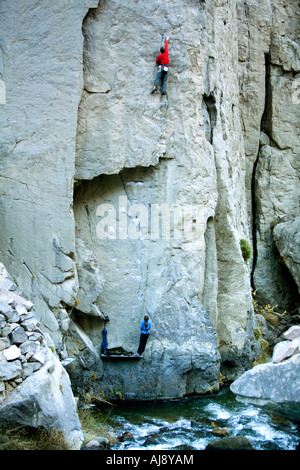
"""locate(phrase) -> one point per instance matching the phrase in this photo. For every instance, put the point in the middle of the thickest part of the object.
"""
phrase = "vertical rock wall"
(183, 151)
(41, 46)
(269, 80)
(277, 167)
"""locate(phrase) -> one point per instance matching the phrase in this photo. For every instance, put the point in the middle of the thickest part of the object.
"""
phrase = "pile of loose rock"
(23, 346)
(35, 389)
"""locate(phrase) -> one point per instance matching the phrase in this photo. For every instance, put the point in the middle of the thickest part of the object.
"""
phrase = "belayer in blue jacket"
(145, 328)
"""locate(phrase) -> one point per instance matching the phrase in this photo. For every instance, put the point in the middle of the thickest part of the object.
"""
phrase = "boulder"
(221, 432)
(126, 436)
(230, 443)
(19, 335)
(151, 440)
(12, 353)
(274, 386)
(93, 445)
(103, 441)
(285, 349)
(289, 347)
(30, 324)
(97, 443)
(5, 309)
(29, 347)
(4, 343)
(292, 333)
(45, 400)
(9, 369)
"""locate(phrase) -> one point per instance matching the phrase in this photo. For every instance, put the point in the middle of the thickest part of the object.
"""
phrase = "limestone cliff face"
(269, 83)
(90, 159)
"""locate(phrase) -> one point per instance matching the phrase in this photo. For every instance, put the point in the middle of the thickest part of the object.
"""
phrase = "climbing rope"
(150, 237)
(155, 198)
(165, 156)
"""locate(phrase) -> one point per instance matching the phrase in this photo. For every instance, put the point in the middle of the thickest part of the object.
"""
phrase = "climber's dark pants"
(143, 341)
(162, 76)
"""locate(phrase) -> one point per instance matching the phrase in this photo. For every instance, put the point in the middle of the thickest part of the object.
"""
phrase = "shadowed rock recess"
(116, 203)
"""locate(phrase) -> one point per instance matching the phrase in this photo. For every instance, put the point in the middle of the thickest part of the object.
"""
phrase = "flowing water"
(187, 424)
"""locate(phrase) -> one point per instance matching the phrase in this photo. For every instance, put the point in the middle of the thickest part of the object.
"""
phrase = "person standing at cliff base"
(145, 328)
(163, 68)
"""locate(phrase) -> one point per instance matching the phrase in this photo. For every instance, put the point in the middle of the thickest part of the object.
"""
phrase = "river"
(187, 424)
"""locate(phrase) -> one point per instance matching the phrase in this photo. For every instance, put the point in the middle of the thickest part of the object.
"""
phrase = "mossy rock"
(246, 249)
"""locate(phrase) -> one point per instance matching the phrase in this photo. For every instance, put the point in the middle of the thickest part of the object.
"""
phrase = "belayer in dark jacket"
(163, 68)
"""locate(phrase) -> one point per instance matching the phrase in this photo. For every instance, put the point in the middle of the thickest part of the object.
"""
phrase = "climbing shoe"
(154, 90)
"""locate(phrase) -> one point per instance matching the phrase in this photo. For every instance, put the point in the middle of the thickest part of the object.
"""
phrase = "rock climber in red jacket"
(163, 68)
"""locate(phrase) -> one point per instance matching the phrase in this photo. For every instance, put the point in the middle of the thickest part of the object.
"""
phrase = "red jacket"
(163, 59)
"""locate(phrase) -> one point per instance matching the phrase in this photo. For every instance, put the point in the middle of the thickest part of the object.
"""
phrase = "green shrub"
(246, 249)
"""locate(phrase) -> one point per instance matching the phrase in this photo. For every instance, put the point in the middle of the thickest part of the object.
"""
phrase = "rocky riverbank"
(28, 365)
